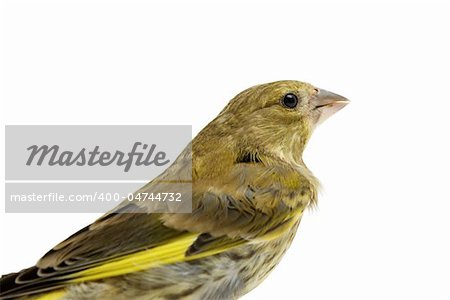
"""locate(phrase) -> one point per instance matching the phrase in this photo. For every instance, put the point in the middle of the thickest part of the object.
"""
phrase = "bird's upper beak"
(327, 103)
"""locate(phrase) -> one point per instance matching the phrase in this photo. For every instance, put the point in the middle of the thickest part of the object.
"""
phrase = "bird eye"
(290, 100)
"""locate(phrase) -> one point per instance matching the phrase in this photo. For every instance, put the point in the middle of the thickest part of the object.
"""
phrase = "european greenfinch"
(250, 188)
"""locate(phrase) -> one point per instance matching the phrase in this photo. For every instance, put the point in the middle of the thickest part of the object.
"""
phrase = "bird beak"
(327, 104)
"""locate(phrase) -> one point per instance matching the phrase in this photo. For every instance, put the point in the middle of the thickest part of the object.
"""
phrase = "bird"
(250, 188)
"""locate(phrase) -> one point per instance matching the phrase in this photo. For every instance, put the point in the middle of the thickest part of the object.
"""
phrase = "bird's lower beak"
(327, 104)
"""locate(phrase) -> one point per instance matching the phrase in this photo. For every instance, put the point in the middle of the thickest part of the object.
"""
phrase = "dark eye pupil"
(290, 100)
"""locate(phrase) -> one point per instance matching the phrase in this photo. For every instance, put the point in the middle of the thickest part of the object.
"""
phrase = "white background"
(382, 227)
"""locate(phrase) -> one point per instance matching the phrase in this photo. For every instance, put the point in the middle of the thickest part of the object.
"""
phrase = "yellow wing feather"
(55, 295)
(169, 253)
(172, 252)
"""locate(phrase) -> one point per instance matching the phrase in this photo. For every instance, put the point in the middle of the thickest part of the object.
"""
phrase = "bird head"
(271, 120)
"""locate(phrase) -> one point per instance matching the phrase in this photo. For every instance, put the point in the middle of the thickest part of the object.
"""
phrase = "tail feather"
(26, 283)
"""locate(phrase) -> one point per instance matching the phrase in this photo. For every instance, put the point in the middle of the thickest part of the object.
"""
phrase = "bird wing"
(80, 258)
(126, 241)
